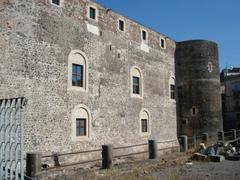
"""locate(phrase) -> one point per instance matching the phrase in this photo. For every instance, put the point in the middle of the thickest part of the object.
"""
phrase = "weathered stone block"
(199, 157)
(216, 158)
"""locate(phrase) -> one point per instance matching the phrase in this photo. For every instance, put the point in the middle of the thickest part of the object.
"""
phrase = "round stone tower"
(198, 82)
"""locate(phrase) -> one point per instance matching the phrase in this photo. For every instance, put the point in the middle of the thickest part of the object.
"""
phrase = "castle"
(92, 77)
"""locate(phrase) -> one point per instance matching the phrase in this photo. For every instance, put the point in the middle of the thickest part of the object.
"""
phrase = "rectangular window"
(136, 83)
(81, 127)
(92, 13)
(162, 43)
(144, 35)
(77, 75)
(172, 91)
(57, 2)
(184, 121)
(144, 125)
(121, 25)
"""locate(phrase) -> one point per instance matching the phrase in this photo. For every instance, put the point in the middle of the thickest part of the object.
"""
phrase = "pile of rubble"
(218, 152)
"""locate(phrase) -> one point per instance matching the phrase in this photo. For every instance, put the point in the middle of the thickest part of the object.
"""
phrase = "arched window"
(77, 71)
(80, 123)
(136, 82)
(144, 122)
(172, 87)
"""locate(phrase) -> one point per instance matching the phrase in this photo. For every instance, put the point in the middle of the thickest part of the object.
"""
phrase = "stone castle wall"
(36, 39)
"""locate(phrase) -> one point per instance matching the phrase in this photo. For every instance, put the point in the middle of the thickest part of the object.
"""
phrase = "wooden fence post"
(152, 147)
(33, 164)
(221, 136)
(184, 143)
(107, 156)
(205, 137)
(234, 134)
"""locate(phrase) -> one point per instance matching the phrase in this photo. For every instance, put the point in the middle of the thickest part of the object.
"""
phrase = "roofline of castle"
(135, 21)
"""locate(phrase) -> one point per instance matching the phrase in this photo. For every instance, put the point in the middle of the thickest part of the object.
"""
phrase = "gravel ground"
(226, 170)
(172, 167)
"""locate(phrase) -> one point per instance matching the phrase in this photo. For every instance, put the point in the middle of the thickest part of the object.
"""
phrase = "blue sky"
(216, 20)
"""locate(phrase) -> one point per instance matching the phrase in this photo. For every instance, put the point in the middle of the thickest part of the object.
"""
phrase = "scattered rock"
(233, 157)
(199, 157)
(216, 158)
(189, 163)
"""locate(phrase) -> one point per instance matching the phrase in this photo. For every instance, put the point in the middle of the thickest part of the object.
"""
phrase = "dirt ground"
(167, 168)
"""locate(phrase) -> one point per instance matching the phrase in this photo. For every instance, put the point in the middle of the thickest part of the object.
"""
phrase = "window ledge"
(79, 89)
(136, 96)
(145, 134)
(172, 100)
(82, 138)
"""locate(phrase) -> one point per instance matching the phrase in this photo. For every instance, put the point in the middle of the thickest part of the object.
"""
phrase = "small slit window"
(56, 2)
(162, 43)
(172, 88)
(172, 91)
(194, 111)
(92, 13)
(121, 25)
(144, 125)
(144, 35)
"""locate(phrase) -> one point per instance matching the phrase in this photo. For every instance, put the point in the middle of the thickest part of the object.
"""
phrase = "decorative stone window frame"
(60, 5)
(144, 41)
(76, 114)
(124, 24)
(71, 61)
(140, 75)
(160, 42)
(96, 12)
(210, 66)
(172, 82)
(142, 115)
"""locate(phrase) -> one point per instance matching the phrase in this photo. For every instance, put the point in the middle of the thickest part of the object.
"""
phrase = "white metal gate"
(11, 139)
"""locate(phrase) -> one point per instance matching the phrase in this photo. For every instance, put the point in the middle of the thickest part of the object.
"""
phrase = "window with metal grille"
(121, 25)
(144, 123)
(172, 91)
(81, 127)
(57, 2)
(92, 13)
(77, 75)
(136, 85)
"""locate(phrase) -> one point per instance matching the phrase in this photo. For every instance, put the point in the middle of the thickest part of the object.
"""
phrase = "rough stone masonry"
(41, 41)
